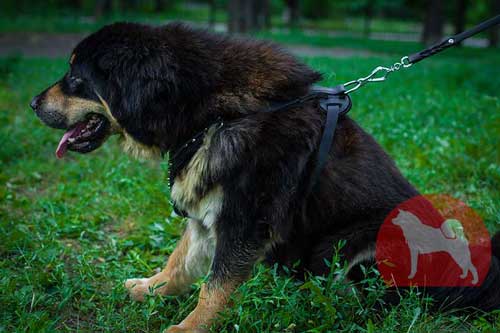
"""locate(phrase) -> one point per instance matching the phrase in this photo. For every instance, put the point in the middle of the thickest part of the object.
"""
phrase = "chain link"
(379, 74)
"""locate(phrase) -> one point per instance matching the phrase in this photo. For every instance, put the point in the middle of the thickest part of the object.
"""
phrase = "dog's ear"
(142, 88)
(106, 62)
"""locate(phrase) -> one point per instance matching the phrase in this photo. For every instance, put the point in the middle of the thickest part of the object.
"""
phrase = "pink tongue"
(62, 147)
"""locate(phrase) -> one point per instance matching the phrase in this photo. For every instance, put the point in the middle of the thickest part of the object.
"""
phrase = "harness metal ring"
(406, 62)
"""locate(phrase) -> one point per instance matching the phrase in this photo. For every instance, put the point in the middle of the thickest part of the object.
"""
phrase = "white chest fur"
(205, 209)
(203, 213)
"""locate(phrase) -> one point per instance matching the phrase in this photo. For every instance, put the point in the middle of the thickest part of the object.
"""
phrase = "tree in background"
(261, 16)
(248, 15)
(493, 35)
(365, 9)
(102, 8)
(159, 6)
(318, 9)
(293, 13)
(368, 10)
(460, 16)
(212, 12)
(433, 22)
(239, 12)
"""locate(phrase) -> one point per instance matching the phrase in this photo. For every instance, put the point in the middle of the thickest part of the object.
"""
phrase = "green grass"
(72, 230)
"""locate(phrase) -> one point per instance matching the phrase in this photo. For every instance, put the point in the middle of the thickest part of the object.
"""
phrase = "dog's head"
(120, 80)
(403, 218)
(158, 86)
(74, 104)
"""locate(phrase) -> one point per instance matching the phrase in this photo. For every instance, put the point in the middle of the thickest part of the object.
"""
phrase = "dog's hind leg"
(473, 271)
(465, 271)
(189, 261)
(414, 262)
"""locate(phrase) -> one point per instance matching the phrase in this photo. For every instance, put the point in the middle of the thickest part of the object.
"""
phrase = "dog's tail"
(485, 296)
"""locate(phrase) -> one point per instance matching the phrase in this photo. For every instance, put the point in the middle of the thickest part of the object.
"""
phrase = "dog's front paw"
(182, 329)
(138, 288)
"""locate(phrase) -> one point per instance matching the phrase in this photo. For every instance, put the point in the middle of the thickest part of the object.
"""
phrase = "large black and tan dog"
(240, 175)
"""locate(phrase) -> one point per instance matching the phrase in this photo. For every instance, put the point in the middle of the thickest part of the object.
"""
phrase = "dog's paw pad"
(137, 288)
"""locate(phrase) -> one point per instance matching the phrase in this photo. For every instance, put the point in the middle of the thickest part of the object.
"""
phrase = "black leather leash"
(453, 40)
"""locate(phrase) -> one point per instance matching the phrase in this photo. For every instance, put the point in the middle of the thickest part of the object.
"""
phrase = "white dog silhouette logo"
(424, 239)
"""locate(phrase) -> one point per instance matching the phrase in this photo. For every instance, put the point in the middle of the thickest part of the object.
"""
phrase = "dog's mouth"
(84, 136)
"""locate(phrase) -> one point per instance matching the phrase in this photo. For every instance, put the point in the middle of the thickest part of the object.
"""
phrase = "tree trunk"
(102, 8)
(233, 10)
(245, 15)
(294, 13)
(76, 4)
(266, 12)
(238, 20)
(256, 18)
(213, 9)
(460, 16)
(126, 5)
(493, 33)
(368, 18)
(159, 6)
(434, 23)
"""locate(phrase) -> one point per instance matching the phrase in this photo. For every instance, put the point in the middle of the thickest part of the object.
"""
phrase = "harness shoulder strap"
(325, 145)
(336, 103)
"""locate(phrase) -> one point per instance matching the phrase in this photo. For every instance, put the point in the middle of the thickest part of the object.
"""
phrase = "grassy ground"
(72, 230)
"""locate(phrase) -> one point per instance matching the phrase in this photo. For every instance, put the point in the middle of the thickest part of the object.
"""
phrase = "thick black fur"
(164, 85)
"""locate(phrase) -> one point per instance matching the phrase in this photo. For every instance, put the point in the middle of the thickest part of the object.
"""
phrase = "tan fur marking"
(364, 255)
(72, 59)
(73, 108)
(137, 149)
(107, 112)
(210, 303)
(175, 278)
(184, 190)
(129, 145)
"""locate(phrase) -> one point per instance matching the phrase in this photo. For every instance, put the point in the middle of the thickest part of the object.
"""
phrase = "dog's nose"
(35, 102)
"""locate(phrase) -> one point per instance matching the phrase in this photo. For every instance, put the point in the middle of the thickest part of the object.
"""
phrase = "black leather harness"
(334, 101)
